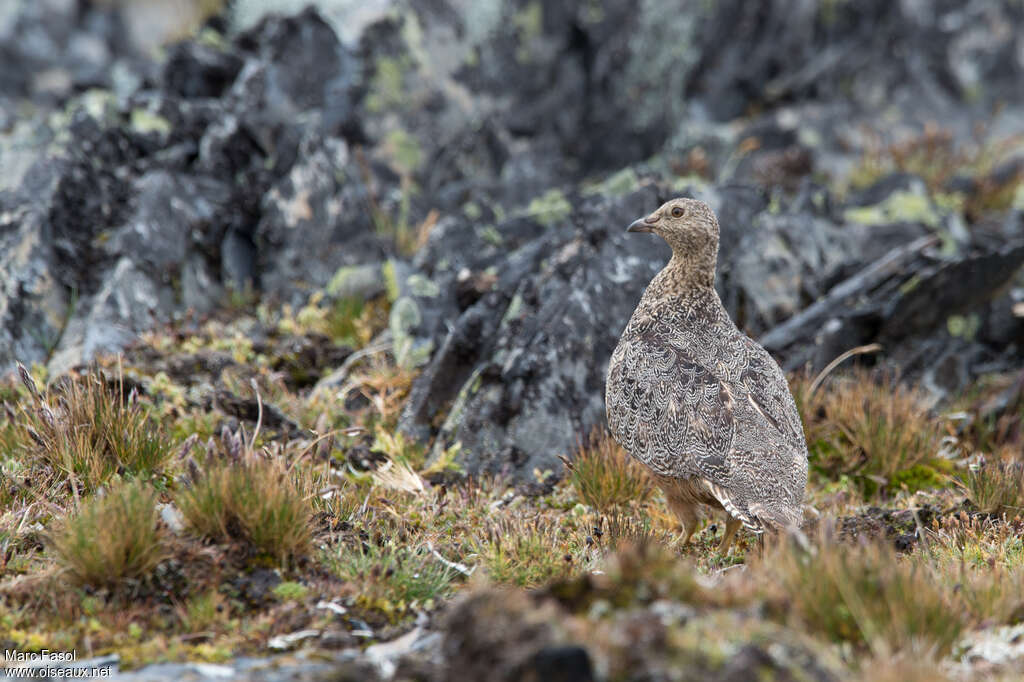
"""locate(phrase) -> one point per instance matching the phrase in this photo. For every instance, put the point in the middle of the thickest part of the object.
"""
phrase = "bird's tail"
(748, 519)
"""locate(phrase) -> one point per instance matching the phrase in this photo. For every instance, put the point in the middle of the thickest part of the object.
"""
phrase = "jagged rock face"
(522, 368)
(272, 157)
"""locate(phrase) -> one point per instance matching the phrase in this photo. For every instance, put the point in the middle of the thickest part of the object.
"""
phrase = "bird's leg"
(686, 512)
(731, 526)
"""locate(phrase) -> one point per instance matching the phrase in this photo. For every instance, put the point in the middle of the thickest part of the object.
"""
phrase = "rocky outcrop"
(515, 139)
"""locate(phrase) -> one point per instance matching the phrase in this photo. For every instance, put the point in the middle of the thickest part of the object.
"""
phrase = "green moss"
(1018, 198)
(515, 306)
(910, 285)
(405, 317)
(918, 477)
(291, 591)
(393, 579)
(491, 235)
(349, 278)
(100, 104)
(529, 21)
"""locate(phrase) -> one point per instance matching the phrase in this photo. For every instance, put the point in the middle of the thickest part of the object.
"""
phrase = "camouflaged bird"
(704, 407)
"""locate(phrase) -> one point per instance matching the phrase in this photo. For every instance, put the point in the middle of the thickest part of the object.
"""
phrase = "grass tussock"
(605, 477)
(866, 595)
(873, 430)
(84, 429)
(252, 499)
(524, 552)
(111, 538)
(996, 487)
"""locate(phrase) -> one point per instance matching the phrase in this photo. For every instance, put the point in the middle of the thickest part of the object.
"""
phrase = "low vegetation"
(873, 431)
(864, 594)
(997, 486)
(200, 513)
(605, 476)
(992, 180)
(251, 499)
(85, 430)
(111, 537)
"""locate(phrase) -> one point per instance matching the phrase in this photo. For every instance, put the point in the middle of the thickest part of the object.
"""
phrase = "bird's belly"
(686, 490)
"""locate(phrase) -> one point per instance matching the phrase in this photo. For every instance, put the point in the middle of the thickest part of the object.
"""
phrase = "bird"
(704, 407)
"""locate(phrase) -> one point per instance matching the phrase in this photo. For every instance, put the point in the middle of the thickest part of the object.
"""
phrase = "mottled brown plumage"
(703, 406)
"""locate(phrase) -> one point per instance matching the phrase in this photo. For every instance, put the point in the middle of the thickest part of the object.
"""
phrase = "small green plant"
(202, 611)
(82, 428)
(996, 487)
(392, 578)
(605, 477)
(251, 499)
(291, 591)
(112, 537)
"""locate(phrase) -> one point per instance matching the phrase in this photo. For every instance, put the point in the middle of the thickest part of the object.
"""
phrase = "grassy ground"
(214, 488)
(198, 496)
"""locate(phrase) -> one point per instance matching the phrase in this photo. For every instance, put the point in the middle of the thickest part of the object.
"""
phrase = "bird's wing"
(768, 392)
(669, 411)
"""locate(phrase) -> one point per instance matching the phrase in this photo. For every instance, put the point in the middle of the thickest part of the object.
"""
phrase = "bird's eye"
(677, 212)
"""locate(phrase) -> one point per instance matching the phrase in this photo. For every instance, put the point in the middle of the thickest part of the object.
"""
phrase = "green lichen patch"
(898, 207)
(550, 208)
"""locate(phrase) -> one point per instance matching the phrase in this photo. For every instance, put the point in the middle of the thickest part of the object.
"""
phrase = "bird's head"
(688, 225)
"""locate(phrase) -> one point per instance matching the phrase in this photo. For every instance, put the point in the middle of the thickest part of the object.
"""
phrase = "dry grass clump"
(605, 476)
(524, 552)
(83, 429)
(249, 498)
(873, 430)
(111, 538)
(996, 486)
(866, 595)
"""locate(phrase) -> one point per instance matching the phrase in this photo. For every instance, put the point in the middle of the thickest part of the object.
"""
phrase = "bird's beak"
(641, 225)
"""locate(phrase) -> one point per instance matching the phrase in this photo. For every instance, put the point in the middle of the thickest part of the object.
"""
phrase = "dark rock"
(252, 411)
(750, 662)
(256, 587)
(559, 664)
(533, 379)
(315, 220)
(163, 227)
(498, 635)
(194, 70)
(283, 161)
(128, 301)
(304, 68)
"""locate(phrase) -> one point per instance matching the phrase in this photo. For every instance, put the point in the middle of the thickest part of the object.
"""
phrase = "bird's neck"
(684, 276)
